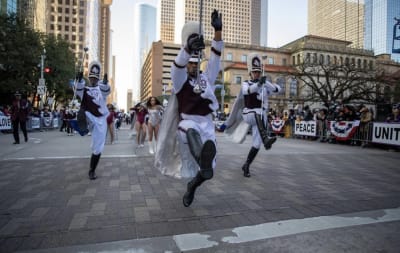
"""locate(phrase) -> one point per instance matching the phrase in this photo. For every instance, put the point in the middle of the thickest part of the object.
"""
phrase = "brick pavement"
(47, 203)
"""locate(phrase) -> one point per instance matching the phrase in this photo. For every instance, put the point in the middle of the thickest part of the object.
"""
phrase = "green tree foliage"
(19, 51)
(60, 60)
(20, 57)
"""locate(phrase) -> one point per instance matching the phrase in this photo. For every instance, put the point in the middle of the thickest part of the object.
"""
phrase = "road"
(303, 196)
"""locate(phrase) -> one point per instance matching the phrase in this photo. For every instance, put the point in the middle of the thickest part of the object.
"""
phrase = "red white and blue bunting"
(344, 130)
(277, 125)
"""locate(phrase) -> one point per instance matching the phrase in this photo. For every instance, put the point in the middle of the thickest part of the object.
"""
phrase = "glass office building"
(8, 6)
(380, 27)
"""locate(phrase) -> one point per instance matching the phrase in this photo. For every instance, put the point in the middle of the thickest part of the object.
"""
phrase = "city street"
(302, 196)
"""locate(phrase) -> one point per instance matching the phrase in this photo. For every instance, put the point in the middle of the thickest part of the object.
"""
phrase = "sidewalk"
(47, 200)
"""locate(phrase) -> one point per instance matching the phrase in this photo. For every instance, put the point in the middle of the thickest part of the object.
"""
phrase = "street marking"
(284, 228)
(193, 241)
(296, 226)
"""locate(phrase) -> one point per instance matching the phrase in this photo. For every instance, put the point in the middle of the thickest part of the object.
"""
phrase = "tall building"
(379, 26)
(242, 19)
(146, 31)
(83, 23)
(67, 20)
(337, 19)
(8, 6)
(105, 36)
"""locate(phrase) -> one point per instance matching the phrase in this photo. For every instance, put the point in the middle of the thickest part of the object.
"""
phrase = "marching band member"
(194, 103)
(252, 103)
(93, 103)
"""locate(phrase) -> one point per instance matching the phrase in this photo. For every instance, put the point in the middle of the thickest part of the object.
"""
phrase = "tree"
(61, 62)
(20, 49)
(329, 83)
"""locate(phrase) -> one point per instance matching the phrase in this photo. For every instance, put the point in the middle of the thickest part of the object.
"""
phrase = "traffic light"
(47, 70)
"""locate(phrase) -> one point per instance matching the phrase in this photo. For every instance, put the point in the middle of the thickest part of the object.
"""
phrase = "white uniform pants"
(98, 129)
(203, 125)
(249, 118)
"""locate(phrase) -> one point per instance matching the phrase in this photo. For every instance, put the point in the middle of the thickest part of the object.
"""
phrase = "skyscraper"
(146, 32)
(68, 21)
(105, 36)
(8, 6)
(337, 19)
(379, 26)
(242, 19)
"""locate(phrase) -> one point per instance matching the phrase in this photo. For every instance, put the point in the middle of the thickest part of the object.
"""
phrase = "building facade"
(337, 19)
(242, 19)
(8, 6)
(280, 65)
(380, 27)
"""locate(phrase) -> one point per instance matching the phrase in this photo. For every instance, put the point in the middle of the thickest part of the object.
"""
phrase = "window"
(298, 59)
(308, 58)
(341, 60)
(335, 60)
(243, 58)
(293, 60)
(284, 63)
(328, 59)
(347, 61)
(229, 57)
(315, 58)
(238, 79)
(282, 83)
(321, 59)
(293, 87)
(365, 64)
(359, 63)
(270, 60)
(371, 65)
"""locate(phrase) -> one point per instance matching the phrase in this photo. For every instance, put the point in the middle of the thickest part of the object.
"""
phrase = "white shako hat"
(188, 29)
(94, 69)
(254, 62)
(195, 58)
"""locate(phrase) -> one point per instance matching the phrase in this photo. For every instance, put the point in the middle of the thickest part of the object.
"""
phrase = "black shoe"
(92, 175)
(189, 195)
(206, 159)
(16, 142)
(246, 170)
(269, 142)
(26, 139)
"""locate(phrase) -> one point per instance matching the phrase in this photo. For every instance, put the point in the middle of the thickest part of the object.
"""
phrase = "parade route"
(303, 196)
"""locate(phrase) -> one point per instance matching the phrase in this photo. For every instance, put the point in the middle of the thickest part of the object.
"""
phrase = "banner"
(308, 128)
(35, 123)
(5, 122)
(386, 133)
(277, 125)
(343, 130)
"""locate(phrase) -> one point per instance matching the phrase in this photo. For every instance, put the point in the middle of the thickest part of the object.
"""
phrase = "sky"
(287, 21)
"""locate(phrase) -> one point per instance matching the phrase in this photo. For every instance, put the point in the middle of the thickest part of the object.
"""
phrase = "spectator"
(365, 119)
(20, 110)
(322, 122)
(394, 117)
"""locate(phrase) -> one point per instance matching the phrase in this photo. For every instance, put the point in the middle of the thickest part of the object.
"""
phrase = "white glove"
(209, 94)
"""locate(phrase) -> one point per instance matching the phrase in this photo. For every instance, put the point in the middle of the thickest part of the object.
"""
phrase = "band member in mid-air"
(94, 105)
(194, 103)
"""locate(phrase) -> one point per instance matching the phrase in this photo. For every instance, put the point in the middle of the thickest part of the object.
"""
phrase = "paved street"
(303, 196)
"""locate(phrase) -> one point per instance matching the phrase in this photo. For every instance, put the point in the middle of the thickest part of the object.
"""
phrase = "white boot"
(155, 146)
(151, 150)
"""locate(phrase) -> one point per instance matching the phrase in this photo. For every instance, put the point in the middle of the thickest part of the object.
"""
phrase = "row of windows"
(73, 37)
(66, 19)
(68, 2)
(328, 60)
(67, 10)
(66, 28)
